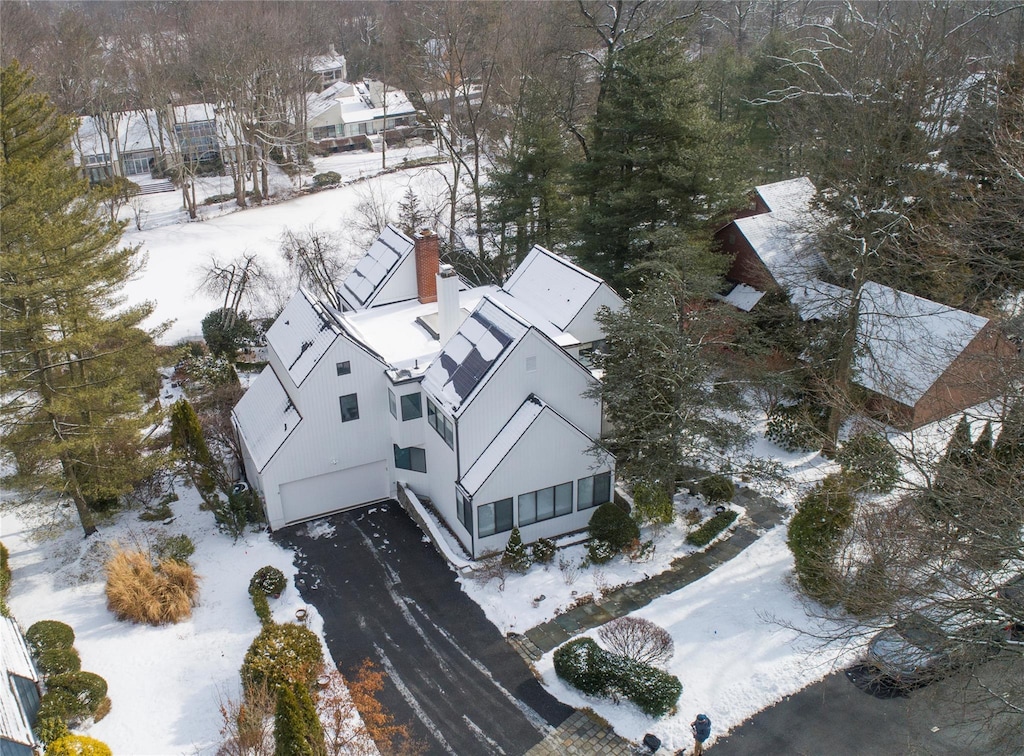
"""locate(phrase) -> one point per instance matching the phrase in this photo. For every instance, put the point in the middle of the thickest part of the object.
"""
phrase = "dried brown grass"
(139, 592)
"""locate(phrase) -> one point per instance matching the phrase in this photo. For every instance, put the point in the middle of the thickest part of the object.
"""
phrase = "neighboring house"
(329, 68)
(918, 359)
(344, 114)
(19, 693)
(475, 398)
(134, 142)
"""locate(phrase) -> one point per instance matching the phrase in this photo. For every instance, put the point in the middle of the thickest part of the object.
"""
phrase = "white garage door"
(312, 497)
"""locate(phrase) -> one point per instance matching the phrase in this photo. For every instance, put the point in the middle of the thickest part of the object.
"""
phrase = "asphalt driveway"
(386, 595)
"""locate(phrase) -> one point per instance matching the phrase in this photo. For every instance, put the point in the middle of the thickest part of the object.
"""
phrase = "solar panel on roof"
(470, 354)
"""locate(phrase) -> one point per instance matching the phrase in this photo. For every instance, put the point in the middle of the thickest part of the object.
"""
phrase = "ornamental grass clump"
(138, 591)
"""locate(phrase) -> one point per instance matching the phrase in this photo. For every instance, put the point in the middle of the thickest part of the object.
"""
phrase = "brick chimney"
(426, 246)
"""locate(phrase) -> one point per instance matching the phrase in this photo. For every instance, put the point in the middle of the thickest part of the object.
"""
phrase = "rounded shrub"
(599, 551)
(49, 729)
(269, 580)
(653, 691)
(584, 665)
(49, 634)
(716, 489)
(57, 661)
(821, 518)
(177, 547)
(869, 460)
(80, 694)
(610, 523)
(543, 551)
(282, 654)
(78, 745)
(795, 427)
(651, 503)
(327, 178)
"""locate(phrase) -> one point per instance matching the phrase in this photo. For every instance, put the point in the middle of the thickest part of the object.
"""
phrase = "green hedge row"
(706, 533)
(594, 671)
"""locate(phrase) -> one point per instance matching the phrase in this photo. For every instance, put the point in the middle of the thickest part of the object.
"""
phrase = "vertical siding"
(402, 284)
(584, 327)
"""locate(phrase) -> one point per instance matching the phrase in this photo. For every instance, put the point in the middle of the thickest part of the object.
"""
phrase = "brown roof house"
(919, 360)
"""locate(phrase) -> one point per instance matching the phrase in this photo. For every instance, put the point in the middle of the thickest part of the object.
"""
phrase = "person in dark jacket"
(701, 728)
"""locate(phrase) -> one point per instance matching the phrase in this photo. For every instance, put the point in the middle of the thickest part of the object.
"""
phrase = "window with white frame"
(593, 491)
(441, 424)
(495, 517)
(544, 504)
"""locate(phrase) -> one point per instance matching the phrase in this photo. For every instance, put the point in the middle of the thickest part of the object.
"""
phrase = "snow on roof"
(195, 113)
(788, 198)
(301, 335)
(785, 245)
(266, 417)
(14, 654)
(380, 260)
(481, 342)
(359, 102)
(532, 316)
(132, 128)
(552, 285)
(908, 342)
(502, 444)
(324, 63)
(743, 297)
(393, 330)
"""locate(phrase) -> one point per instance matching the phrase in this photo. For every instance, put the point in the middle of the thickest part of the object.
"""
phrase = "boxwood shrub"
(270, 580)
(49, 634)
(869, 460)
(706, 533)
(592, 670)
(262, 607)
(282, 654)
(78, 745)
(57, 661)
(86, 689)
(716, 489)
(613, 524)
(543, 551)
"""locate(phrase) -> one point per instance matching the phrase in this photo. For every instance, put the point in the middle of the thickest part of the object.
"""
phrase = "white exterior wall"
(323, 444)
(558, 381)
(584, 327)
(441, 476)
(400, 286)
(548, 454)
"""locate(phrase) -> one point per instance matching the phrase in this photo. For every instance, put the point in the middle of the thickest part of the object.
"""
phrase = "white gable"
(266, 417)
(15, 660)
(301, 335)
(552, 285)
(502, 444)
(379, 263)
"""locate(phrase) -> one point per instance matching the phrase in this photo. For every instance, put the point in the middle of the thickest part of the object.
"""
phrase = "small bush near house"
(716, 489)
(262, 607)
(821, 518)
(282, 654)
(584, 665)
(610, 523)
(600, 552)
(706, 533)
(653, 691)
(139, 592)
(269, 580)
(49, 634)
(49, 729)
(327, 178)
(78, 745)
(543, 551)
(795, 427)
(515, 556)
(56, 661)
(651, 503)
(73, 696)
(176, 547)
(638, 639)
(869, 460)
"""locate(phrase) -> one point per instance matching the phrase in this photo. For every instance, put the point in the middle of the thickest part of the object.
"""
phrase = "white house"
(19, 692)
(475, 398)
(346, 111)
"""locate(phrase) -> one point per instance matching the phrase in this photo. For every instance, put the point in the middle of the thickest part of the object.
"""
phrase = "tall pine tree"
(75, 361)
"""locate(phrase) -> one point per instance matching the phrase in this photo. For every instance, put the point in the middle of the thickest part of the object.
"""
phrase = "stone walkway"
(581, 735)
(762, 514)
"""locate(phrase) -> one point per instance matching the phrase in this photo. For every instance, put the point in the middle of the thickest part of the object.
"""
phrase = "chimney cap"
(426, 232)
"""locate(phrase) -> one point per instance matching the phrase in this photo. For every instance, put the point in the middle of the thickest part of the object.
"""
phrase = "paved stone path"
(762, 514)
(581, 735)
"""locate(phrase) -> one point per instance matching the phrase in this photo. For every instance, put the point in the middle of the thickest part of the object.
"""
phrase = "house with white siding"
(477, 399)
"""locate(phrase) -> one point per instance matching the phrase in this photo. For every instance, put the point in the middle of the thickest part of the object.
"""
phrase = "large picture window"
(594, 491)
(545, 504)
(413, 458)
(411, 407)
(349, 407)
(495, 517)
(441, 424)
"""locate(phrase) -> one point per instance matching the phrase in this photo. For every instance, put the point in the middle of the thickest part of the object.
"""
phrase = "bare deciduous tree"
(638, 639)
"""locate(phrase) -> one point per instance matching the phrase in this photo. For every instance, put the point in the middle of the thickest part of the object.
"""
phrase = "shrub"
(56, 661)
(327, 178)
(49, 729)
(241, 509)
(716, 489)
(821, 518)
(870, 460)
(795, 427)
(515, 556)
(283, 654)
(652, 503)
(652, 690)
(297, 728)
(262, 607)
(177, 547)
(638, 639)
(78, 745)
(600, 552)
(73, 695)
(5, 572)
(139, 592)
(584, 665)
(612, 524)
(49, 634)
(543, 551)
(269, 580)
(706, 533)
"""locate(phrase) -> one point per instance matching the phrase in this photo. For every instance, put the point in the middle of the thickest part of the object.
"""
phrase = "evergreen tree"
(75, 360)
(654, 159)
(290, 733)
(821, 519)
(515, 556)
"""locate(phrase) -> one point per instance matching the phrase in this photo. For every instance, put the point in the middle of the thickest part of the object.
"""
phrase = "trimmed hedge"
(73, 695)
(57, 661)
(612, 524)
(262, 607)
(706, 533)
(45, 635)
(269, 580)
(594, 671)
(49, 729)
(281, 655)
(716, 489)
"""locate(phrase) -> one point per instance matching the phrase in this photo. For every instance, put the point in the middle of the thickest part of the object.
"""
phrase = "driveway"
(386, 595)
